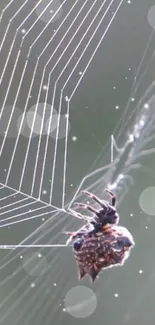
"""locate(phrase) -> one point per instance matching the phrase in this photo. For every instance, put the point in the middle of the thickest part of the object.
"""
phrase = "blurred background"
(77, 99)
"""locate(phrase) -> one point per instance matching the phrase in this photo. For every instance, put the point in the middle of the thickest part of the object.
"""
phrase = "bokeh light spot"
(151, 17)
(80, 302)
(147, 200)
(51, 127)
(8, 125)
(34, 122)
(49, 10)
(23, 127)
(33, 264)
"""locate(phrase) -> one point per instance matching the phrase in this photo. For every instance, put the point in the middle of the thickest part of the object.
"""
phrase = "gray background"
(33, 292)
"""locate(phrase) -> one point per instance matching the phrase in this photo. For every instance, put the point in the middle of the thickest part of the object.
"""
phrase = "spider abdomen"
(102, 251)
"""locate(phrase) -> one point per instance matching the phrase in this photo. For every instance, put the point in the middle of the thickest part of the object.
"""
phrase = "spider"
(102, 251)
(101, 243)
(105, 215)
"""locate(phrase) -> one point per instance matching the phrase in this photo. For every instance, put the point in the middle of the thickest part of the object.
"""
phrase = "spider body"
(103, 250)
(101, 243)
(106, 215)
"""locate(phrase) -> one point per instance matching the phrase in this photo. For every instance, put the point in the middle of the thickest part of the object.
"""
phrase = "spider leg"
(113, 197)
(80, 232)
(96, 199)
(84, 217)
(79, 215)
(72, 235)
(88, 207)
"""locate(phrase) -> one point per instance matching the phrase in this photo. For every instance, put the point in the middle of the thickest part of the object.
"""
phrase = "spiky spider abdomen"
(101, 251)
(101, 243)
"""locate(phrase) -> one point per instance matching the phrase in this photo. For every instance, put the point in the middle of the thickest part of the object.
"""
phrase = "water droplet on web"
(116, 295)
(146, 105)
(23, 31)
(32, 285)
(74, 138)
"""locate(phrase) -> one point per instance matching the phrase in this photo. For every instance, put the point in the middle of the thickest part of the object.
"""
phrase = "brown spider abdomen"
(102, 251)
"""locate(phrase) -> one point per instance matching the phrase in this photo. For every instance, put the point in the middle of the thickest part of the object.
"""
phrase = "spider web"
(44, 69)
(34, 72)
